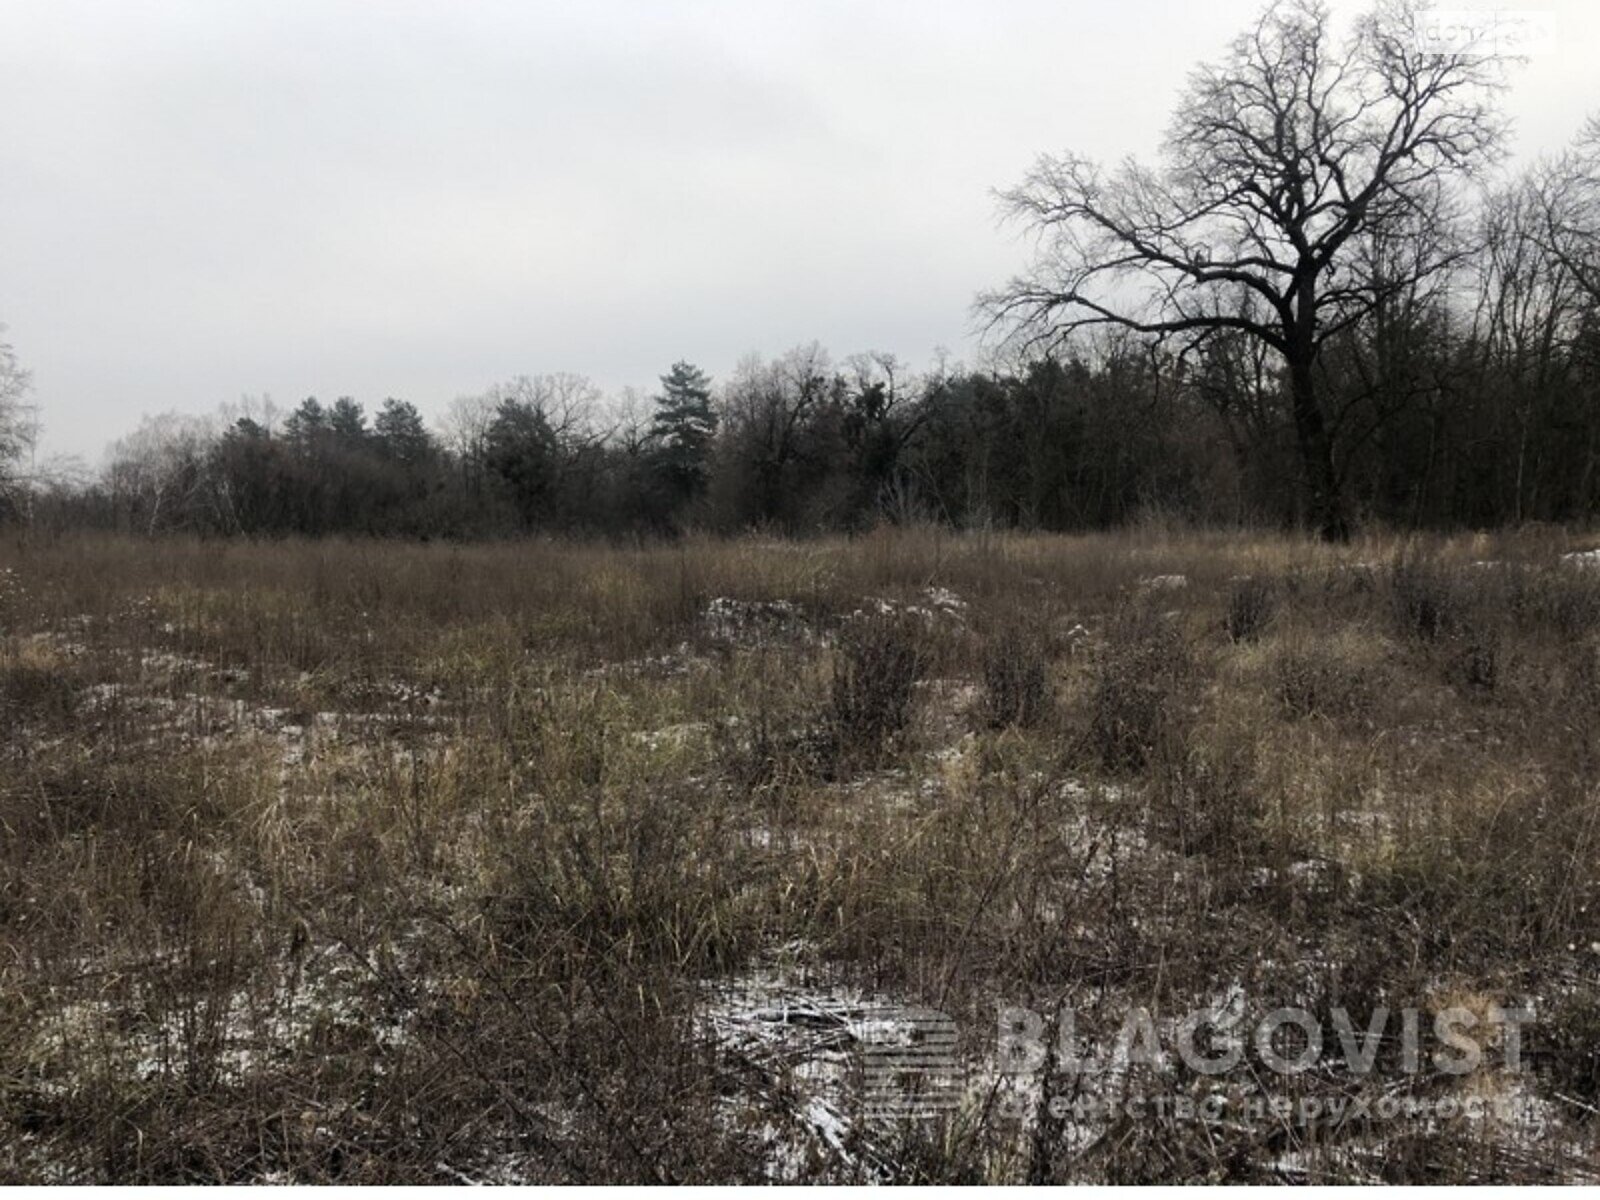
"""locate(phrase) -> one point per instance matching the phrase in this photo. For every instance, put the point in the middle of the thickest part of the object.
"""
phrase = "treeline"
(1464, 391)
(1472, 402)
(797, 444)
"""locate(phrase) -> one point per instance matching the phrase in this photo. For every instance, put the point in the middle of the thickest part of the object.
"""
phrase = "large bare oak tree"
(1282, 163)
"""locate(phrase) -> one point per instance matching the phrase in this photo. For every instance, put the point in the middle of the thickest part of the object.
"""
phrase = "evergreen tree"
(402, 437)
(348, 421)
(682, 431)
(249, 477)
(523, 452)
(307, 424)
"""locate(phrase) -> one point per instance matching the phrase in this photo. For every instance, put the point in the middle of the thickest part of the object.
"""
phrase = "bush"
(1134, 701)
(1476, 663)
(1252, 604)
(875, 669)
(1425, 601)
(1317, 679)
(1016, 678)
(1206, 802)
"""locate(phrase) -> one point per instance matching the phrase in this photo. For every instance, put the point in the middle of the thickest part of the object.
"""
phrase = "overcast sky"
(206, 199)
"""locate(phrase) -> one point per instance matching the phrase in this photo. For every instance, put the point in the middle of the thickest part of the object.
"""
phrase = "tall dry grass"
(390, 862)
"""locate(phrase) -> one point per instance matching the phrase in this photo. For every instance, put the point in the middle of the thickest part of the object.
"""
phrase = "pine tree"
(401, 434)
(307, 424)
(348, 421)
(522, 450)
(682, 431)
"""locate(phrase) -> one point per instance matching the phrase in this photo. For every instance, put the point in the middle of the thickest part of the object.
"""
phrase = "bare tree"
(1279, 161)
(1569, 202)
(18, 423)
(159, 475)
(1528, 311)
(630, 417)
(260, 410)
(766, 408)
(464, 428)
(569, 403)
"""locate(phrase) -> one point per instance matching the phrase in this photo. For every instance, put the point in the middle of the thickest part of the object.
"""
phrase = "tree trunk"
(1316, 447)
(1310, 427)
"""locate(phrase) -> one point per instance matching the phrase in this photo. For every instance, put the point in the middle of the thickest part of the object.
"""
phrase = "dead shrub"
(875, 669)
(1252, 604)
(1426, 602)
(773, 745)
(1476, 662)
(1205, 801)
(1135, 701)
(614, 886)
(1321, 679)
(1016, 679)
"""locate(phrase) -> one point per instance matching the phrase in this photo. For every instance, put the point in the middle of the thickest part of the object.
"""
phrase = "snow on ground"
(934, 604)
(742, 621)
(824, 1064)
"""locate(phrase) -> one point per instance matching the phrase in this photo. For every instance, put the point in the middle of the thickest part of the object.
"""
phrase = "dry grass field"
(382, 862)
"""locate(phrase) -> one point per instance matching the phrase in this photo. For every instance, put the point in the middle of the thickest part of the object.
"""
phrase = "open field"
(373, 862)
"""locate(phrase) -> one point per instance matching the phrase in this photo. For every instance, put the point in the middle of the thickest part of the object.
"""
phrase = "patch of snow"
(729, 620)
(671, 665)
(164, 662)
(938, 603)
(943, 599)
(807, 1048)
(669, 737)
